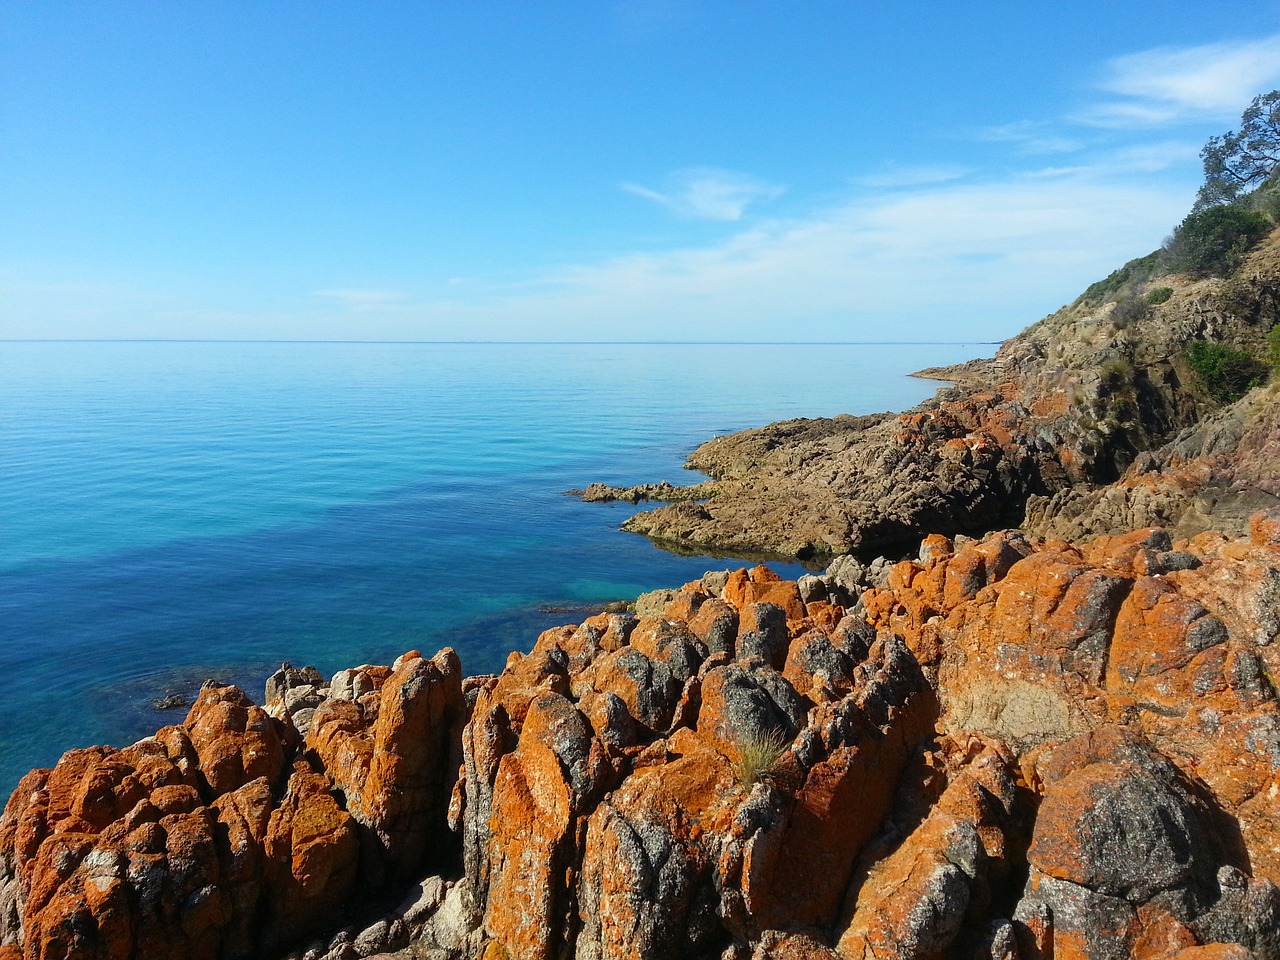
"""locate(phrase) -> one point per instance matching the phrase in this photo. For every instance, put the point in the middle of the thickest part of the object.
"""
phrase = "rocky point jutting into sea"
(1100, 391)
(1060, 740)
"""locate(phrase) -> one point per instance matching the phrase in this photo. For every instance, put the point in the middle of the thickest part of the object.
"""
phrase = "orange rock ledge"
(1008, 749)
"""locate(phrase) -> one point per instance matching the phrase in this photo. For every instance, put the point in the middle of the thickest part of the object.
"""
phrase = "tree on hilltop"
(1213, 241)
(1237, 161)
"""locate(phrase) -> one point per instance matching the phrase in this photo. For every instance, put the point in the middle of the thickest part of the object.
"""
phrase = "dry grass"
(758, 753)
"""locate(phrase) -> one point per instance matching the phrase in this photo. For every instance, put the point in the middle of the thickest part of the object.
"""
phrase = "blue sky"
(649, 170)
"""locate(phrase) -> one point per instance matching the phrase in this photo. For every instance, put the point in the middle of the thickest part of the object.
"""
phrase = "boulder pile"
(1007, 748)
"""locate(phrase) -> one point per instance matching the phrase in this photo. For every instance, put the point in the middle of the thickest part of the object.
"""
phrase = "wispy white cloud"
(1031, 137)
(707, 193)
(1141, 158)
(893, 176)
(1156, 156)
(1168, 84)
(358, 300)
(945, 261)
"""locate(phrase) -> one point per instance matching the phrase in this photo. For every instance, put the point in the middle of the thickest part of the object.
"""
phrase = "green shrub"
(1273, 350)
(1132, 273)
(1159, 295)
(1214, 241)
(758, 753)
(1266, 200)
(1223, 371)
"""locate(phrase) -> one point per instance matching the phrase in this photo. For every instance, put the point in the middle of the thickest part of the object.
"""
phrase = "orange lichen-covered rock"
(190, 843)
(648, 880)
(542, 788)
(1128, 854)
(396, 772)
(242, 819)
(776, 945)
(1166, 649)
(763, 634)
(1173, 641)
(312, 855)
(670, 642)
(646, 686)
(143, 883)
(915, 901)
(851, 755)
(716, 625)
(742, 705)
(1008, 749)
(684, 605)
(762, 585)
(236, 741)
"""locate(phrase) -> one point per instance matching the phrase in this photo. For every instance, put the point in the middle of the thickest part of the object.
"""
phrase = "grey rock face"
(768, 641)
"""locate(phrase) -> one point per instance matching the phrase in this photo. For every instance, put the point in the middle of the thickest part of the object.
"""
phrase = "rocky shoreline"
(1059, 740)
(1074, 426)
(1009, 747)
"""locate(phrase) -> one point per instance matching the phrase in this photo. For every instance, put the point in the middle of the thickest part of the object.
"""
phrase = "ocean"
(173, 511)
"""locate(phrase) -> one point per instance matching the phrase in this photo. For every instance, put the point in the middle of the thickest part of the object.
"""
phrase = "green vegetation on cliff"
(1237, 206)
(1244, 159)
(1225, 372)
(1213, 242)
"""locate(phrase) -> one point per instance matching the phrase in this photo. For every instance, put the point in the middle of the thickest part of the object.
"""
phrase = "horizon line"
(733, 343)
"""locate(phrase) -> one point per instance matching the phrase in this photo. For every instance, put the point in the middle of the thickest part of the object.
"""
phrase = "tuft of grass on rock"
(758, 753)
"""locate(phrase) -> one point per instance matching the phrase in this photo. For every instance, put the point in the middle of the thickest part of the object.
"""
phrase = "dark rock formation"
(1212, 475)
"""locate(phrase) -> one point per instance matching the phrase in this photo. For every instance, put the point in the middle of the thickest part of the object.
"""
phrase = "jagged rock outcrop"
(605, 803)
(1133, 676)
(222, 837)
(1064, 408)
(1214, 474)
(390, 754)
(1010, 747)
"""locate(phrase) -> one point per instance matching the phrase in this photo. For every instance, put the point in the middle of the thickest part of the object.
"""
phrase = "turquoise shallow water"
(173, 511)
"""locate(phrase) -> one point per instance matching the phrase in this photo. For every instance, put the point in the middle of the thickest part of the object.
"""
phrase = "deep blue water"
(174, 511)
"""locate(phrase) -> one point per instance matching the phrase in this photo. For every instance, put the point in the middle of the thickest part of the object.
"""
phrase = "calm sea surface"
(176, 511)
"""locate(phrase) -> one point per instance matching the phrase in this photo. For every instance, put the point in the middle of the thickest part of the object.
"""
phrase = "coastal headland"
(1093, 420)
(1057, 738)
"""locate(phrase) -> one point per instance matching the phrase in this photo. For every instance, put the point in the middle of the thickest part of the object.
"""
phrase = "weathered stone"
(716, 625)
(646, 888)
(396, 773)
(1122, 836)
(235, 740)
(741, 705)
(556, 771)
(762, 634)
(861, 746)
(757, 772)
(914, 903)
(312, 855)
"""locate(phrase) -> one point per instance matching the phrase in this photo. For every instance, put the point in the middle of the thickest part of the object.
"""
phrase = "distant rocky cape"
(1088, 422)
(1055, 741)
